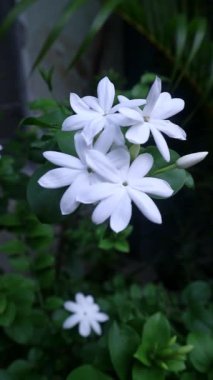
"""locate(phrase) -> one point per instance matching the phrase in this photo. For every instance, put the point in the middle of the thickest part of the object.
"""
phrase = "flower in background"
(153, 119)
(1, 148)
(86, 314)
(93, 114)
(189, 160)
(121, 185)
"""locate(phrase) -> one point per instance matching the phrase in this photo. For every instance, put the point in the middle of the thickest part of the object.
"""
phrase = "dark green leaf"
(123, 342)
(8, 316)
(62, 20)
(13, 247)
(65, 141)
(21, 330)
(87, 372)
(139, 373)
(202, 354)
(106, 10)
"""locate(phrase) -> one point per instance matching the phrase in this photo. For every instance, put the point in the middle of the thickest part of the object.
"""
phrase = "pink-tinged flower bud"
(189, 160)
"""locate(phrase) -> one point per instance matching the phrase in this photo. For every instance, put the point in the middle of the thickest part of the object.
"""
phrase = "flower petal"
(71, 321)
(63, 159)
(75, 122)
(101, 317)
(106, 94)
(77, 104)
(131, 114)
(131, 103)
(84, 328)
(138, 134)
(93, 128)
(169, 128)
(152, 97)
(68, 203)
(166, 107)
(81, 147)
(96, 192)
(145, 205)
(80, 298)
(71, 306)
(92, 102)
(101, 165)
(96, 327)
(161, 144)
(140, 167)
(154, 186)
(120, 158)
(57, 178)
(122, 213)
(106, 207)
(104, 140)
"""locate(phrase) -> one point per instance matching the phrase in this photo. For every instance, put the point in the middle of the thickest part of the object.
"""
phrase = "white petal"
(106, 207)
(138, 134)
(118, 137)
(166, 107)
(122, 213)
(96, 192)
(118, 119)
(93, 128)
(104, 140)
(101, 317)
(106, 94)
(81, 147)
(140, 167)
(145, 205)
(68, 203)
(120, 158)
(90, 299)
(192, 159)
(161, 144)
(63, 159)
(75, 122)
(71, 306)
(92, 102)
(80, 298)
(122, 98)
(71, 321)
(154, 186)
(96, 327)
(132, 103)
(102, 166)
(77, 104)
(57, 178)
(133, 115)
(170, 129)
(84, 328)
(152, 96)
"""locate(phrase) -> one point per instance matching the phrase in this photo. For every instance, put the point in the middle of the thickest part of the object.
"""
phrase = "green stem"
(165, 168)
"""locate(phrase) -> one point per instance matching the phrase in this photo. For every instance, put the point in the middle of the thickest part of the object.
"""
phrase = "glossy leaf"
(87, 372)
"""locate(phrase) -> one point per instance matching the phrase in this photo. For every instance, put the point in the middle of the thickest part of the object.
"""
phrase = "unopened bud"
(190, 160)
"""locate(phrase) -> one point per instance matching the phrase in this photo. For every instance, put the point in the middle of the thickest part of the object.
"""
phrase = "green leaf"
(20, 264)
(202, 355)
(139, 373)
(188, 376)
(53, 303)
(47, 76)
(65, 141)
(18, 9)
(123, 342)
(8, 316)
(44, 202)
(156, 336)
(175, 177)
(43, 261)
(198, 292)
(87, 372)
(3, 303)
(62, 20)
(106, 10)
(13, 247)
(21, 330)
(4, 375)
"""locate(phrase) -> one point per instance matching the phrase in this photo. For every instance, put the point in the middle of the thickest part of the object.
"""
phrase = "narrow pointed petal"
(166, 107)
(101, 317)
(84, 328)
(68, 203)
(118, 119)
(96, 192)
(120, 158)
(104, 140)
(154, 186)
(102, 165)
(93, 128)
(133, 115)
(140, 167)
(106, 207)
(96, 327)
(130, 103)
(63, 159)
(161, 144)
(106, 94)
(71, 306)
(77, 104)
(57, 178)
(75, 122)
(71, 321)
(170, 129)
(152, 97)
(81, 147)
(122, 213)
(145, 205)
(138, 134)
(80, 298)
(92, 102)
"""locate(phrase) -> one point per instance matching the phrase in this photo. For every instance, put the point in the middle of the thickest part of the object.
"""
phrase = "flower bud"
(190, 160)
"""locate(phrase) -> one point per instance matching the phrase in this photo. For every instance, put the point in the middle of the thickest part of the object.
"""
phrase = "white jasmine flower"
(93, 114)
(72, 172)
(153, 119)
(1, 148)
(189, 160)
(123, 184)
(86, 314)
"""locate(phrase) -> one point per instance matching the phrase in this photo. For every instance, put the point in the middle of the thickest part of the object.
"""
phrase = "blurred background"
(49, 48)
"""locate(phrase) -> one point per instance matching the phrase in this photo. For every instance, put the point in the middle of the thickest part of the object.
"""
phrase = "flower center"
(146, 118)
(125, 183)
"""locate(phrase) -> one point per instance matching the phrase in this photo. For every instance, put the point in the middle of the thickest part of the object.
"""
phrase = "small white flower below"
(86, 314)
